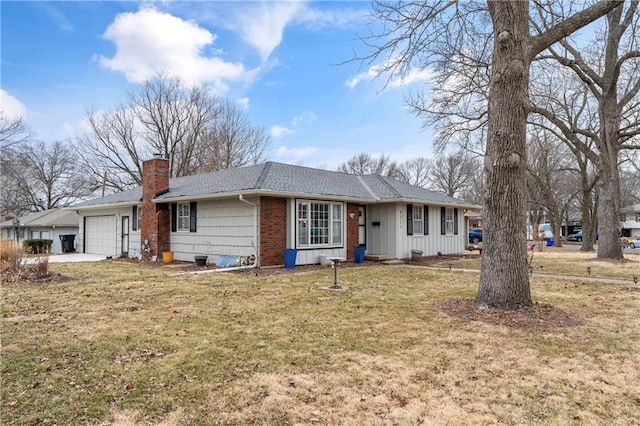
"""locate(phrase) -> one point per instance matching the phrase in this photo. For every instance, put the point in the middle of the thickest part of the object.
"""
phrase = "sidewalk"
(68, 258)
(537, 275)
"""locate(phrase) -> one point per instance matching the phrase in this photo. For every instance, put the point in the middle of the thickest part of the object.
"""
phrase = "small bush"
(37, 245)
(13, 266)
(10, 253)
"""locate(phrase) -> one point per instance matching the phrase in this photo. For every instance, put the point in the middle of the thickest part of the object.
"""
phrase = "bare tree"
(231, 141)
(191, 127)
(415, 171)
(364, 164)
(454, 174)
(44, 177)
(610, 69)
(422, 33)
(549, 171)
(565, 111)
(13, 132)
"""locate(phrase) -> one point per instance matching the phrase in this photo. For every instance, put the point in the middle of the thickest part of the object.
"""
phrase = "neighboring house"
(45, 224)
(262, 210)
(631, 221)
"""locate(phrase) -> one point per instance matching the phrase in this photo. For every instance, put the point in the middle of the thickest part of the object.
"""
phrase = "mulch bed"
(541, 317)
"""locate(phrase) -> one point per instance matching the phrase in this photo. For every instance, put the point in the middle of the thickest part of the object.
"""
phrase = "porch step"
(379, 257)
(393, 262)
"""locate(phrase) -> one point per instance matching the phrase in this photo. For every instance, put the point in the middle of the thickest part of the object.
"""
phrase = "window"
(136, 223)
(638, 217)
(417, 220)
(448, 221)
(183, 217)
(319, 224)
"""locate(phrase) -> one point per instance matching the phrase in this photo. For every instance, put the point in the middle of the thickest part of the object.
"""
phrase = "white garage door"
(101, 235)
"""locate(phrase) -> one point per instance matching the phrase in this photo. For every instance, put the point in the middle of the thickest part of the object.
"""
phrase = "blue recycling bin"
(549, 241)
(358, 254)
(290, 256)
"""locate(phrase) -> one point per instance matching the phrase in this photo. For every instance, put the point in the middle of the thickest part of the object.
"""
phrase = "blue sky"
(279, 60)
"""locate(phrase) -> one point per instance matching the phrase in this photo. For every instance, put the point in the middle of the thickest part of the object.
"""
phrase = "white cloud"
(149, 41)
(278, 131)
(368, 75)
(340, 17)
(262, 24)
(11, 107)
(413, 76)
(306, 117)
(296, 154)
(243, 103)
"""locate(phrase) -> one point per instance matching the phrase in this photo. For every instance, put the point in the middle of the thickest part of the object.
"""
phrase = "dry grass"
(128, 344)
(552, 260)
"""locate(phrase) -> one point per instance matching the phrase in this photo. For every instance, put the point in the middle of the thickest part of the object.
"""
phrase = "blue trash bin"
(290, 258)
(549, 241)
(358, 254)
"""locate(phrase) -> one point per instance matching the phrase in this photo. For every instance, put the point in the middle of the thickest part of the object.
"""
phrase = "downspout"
(254, 243)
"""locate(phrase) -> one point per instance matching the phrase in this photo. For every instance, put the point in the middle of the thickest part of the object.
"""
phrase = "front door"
(362, 225)
(125, 235)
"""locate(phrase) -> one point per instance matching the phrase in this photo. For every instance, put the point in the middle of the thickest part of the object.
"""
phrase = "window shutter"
(443, 226)
(409, 219)
(455, 221)
(174, 217)
(425, 214)
(193, 214)
(134, 222)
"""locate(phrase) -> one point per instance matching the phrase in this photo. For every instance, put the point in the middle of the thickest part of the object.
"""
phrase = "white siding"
(55, 236)
(224, 227)
(381, 237)
(432, 243)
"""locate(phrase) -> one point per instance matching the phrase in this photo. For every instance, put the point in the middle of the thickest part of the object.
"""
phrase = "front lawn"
(130, 344)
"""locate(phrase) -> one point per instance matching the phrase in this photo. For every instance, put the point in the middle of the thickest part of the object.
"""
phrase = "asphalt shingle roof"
(53, 217)
(285, 179)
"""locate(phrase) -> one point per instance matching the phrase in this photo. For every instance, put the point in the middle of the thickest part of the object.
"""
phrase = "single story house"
(45, 224)
(631, 221)
(264, 209)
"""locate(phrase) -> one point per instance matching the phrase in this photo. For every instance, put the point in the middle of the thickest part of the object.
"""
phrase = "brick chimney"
(155, 226)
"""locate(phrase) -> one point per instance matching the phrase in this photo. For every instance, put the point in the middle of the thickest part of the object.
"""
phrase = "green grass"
(129, 344)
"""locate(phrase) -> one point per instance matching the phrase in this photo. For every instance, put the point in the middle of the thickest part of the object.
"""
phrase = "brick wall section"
(273, 230)
(352, 229)
(155, 225)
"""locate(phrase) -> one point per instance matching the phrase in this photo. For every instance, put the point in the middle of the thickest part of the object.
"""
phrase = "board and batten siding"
(432, 243)
(382, 229)
(224, 227)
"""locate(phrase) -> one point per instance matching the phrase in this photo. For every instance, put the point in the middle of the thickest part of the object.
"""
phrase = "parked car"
(575, 237)
(475, 235)
(578, 237)
(635, 243)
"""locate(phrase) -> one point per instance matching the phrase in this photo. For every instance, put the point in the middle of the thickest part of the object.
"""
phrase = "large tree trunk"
(609, 187)
(504, 279)
(609, 111)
